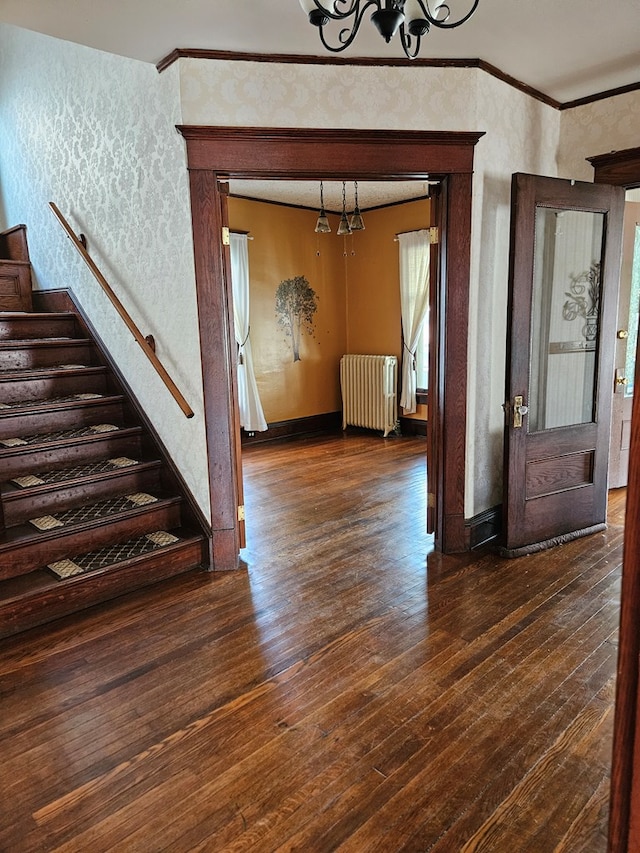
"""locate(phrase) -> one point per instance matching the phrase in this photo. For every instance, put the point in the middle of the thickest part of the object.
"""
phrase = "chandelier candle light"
(322, 225)
(412, 18)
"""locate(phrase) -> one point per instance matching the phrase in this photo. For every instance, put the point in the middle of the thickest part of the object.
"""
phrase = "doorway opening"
(348, 285)
(216, 154)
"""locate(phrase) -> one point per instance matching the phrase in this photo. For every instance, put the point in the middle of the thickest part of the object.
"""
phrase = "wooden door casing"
(622, 168)
(292, 153)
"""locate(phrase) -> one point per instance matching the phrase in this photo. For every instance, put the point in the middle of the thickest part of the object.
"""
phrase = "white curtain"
(251, 414)
(414, 301)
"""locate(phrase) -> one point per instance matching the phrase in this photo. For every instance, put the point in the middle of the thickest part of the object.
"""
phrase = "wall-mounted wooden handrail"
(122, 311)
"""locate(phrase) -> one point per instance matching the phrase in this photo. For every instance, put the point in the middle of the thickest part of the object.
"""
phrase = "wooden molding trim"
(323, 153)
(13, 244)
(620, 168)
(600, 96)
(413, 426)
(329, 422)
(306, 59)
(214, 154)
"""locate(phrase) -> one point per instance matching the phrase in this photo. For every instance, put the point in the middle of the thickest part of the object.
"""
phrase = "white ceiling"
(566, 49)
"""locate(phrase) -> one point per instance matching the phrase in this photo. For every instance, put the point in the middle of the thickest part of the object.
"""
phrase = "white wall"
(521, 135)
(612, 124)
(95, 133)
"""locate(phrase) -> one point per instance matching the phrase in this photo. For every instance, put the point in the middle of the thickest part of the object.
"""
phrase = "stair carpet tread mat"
(43, 438)
(111, 554)
(75, 473)
(44, 368)
(70, 398)
(92, 512)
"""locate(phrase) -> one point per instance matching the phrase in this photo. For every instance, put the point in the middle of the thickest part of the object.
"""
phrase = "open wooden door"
(436, 220)
(626, 339)
(563, 281)
(223, 187)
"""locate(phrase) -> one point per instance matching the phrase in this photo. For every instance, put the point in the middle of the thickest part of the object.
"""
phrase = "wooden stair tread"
(50, 401)
(37, 343)
(42, 578)
(47, 438)
(10, 373)
(84, 517)
(25, 483)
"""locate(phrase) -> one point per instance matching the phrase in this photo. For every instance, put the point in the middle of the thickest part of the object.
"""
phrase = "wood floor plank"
(349, 690)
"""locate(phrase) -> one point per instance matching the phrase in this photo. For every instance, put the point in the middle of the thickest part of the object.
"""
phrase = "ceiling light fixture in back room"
(412, 18)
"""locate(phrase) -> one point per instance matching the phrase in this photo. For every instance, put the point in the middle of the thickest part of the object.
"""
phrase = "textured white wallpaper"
(521, 135)
(612, 124)
(95, 133)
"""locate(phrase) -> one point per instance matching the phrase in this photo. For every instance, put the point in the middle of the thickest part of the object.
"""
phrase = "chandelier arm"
(407, 40)
(345, 41)
(340, 16)
(444, 24)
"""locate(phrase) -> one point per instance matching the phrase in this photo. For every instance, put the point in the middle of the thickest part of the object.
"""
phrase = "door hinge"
(241, 513)
(434, 234)
(226, 240)
(431, 500)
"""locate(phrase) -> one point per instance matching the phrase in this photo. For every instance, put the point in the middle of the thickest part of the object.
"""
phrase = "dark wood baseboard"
(327, 422)
(484, 527)
(413, 426)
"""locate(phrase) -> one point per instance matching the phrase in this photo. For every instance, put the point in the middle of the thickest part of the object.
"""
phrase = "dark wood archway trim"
(220, 153)
(622, 168)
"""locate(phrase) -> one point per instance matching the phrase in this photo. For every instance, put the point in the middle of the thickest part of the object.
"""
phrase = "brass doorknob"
(622, 334)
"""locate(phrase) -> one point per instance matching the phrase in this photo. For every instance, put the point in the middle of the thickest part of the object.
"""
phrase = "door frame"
(217, 154)
(622, 168)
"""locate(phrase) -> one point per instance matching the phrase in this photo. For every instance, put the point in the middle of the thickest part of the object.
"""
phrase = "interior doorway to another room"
(221, 154)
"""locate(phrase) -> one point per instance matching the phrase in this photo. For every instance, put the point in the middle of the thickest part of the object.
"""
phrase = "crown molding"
(305, 59)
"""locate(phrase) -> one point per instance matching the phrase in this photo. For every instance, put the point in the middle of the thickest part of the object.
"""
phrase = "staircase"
(90, 507)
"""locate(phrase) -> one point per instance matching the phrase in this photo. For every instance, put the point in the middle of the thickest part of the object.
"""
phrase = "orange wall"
(373, 278)
(373, 281)
(358, 298)
(285, 245)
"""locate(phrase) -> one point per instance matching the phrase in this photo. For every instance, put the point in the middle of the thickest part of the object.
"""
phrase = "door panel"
(626, 342)
(223, 188)
(564, 264)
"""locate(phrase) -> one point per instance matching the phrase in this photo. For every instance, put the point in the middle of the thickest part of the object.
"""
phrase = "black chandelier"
(412, 18)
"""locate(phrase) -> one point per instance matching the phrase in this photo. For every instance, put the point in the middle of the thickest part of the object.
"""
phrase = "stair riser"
(23, 328)
(67, 416)
(24, 504)
(25, 357)
(26, 390)
(21, 460)
(46, 548)
(75, 594)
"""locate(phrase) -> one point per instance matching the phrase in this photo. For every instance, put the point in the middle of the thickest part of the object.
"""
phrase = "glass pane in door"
(564, 322)
(634, 309)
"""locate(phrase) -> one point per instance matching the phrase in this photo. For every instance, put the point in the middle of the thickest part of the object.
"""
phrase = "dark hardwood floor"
(350, 690)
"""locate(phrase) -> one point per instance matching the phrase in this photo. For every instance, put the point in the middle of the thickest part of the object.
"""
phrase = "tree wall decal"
(296, 303)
